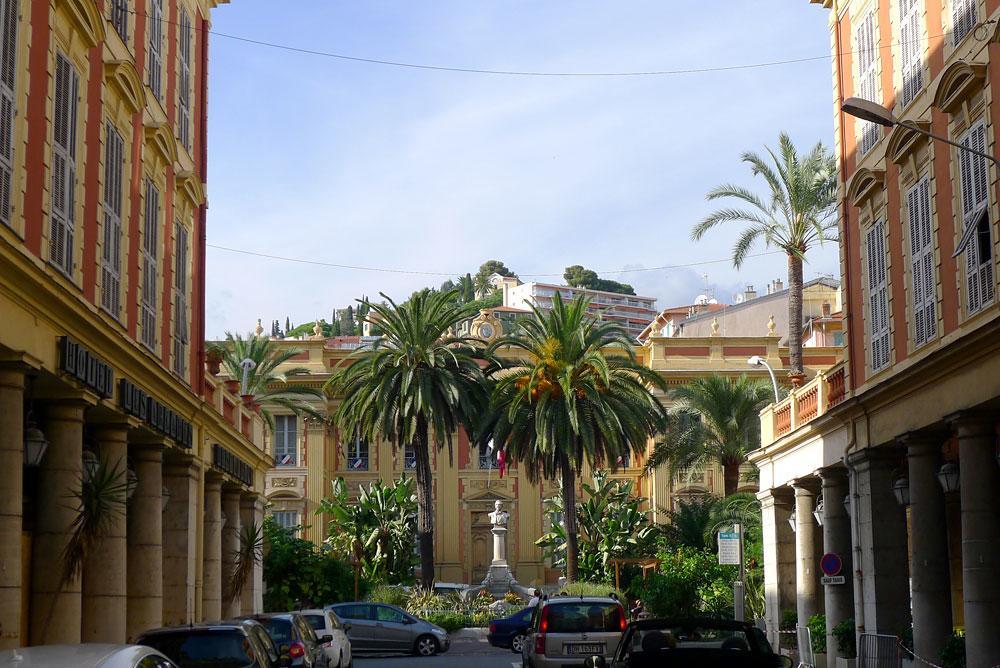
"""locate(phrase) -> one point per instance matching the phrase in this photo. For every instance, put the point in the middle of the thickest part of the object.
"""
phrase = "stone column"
(12, 484)
(145, 542)
(180, 541)
(881, 527)
(806, 559)
(55, 612)
(779, 558)
(231, 606)
(839, 599)
(930, 578)
(980, 494)
(248, 522)
(212, 579)
(104, 583)
(258, 569)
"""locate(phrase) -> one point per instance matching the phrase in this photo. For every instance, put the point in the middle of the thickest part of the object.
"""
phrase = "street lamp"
(901, 488)
(872, 112)
(950, 477)
(818, 512)
(847, 504)
(757, 360)
(35, 445)
(791, 520)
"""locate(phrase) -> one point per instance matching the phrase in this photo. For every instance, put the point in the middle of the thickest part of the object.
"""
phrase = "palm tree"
(715, 420)
(269, 386)
(416, 385)
(688, 525)
(578, 396)
(797, 213)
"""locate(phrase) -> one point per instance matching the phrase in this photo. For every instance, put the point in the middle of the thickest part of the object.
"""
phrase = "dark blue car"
(511, 631)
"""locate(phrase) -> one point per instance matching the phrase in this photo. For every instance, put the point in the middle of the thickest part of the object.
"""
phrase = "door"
(482, 546)
(391, 630)
(360, 618)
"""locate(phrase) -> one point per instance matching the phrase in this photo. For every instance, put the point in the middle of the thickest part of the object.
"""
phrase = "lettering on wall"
(138, 403)
(86, 367)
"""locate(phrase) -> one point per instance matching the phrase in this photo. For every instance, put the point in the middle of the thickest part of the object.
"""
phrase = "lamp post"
(757, 360)
(876, 113)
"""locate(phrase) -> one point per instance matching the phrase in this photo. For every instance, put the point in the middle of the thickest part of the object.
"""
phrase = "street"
(459, 655)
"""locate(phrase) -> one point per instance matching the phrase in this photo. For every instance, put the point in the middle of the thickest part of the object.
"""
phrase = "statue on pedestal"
(499, 518)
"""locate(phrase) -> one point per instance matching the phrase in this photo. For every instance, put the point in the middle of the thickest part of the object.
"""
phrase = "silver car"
(88, 655)
(567, 630)
(383, 628)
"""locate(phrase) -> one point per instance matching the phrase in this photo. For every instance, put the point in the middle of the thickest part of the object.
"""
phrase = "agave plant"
(249, 554)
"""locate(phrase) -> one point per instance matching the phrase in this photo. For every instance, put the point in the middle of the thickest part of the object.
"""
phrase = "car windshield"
(194, 649)
(280, 630)
(583, 617)
(657, 645)
(316, 621)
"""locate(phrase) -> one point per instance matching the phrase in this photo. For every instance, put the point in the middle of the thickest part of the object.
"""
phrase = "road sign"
(729, 548)
(831, 564)
(832, 580)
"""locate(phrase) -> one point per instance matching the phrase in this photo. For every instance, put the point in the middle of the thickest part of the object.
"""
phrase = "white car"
(326, 622)
(88, 655)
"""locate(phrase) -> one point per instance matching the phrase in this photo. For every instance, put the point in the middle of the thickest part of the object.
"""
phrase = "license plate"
(589, 650)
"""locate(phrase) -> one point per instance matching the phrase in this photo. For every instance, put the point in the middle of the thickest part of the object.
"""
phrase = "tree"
(447, 286)
(299, 574)
(335, 327)
(288, 324)
(487, 269)
(797, 212)
(579, 276)
(715, 420)
(416, 385)
(468, 288)
(688, 525)
(347, 325)
(269, 387)
(578, 395)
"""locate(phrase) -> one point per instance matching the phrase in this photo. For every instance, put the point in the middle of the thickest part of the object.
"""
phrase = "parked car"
(380, 627)
(511, 631)
(90, 655)
(235, 644)
(707, 643)
(290, 630)
(326, 623)
(567, 630)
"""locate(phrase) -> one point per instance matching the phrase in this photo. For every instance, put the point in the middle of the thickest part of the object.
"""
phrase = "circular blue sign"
(831, 564)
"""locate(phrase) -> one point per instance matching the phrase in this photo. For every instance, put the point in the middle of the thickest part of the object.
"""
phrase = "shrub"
(449, 621)
(300, 574)
(389, 594)
(512, 598)
(690, 582)
(423, 600)
(593, 589)
(844, 633)
(953, 652)
(789, 620)
(817, 633)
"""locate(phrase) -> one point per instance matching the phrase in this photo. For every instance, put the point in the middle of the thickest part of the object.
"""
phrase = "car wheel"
(426, 646)
(517, 643)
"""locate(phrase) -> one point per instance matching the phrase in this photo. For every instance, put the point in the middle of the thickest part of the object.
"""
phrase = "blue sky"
(363, 164)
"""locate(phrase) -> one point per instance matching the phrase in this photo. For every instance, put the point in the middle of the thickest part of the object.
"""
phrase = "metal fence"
(803, 639)
(879, 651)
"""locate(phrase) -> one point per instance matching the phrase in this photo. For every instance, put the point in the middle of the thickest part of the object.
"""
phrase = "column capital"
(180, 464)
(808, 486)
(229, 490)
(778, 496)
(12, 376)
(145, 452)
(213, 479)
(869, 458)
(973, 423)
(65, 410)
(833, 474)
(111, 431)
(249, 499)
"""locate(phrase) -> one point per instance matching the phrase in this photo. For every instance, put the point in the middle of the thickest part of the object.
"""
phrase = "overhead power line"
(392, 270)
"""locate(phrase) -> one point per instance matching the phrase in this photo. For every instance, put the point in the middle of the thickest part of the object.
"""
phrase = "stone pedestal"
(499, 578)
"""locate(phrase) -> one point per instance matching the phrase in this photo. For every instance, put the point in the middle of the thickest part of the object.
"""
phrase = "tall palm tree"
(798, 212)
(416, 385)
(269, 386)
(715, 420)
(578, 395)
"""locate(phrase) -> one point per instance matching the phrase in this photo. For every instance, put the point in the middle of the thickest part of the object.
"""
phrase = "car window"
(334, 622)
(281, 631)
(584, 617)
(385, 614)
(221, 648)
(265, 646)
(356, 611)
(524, 616)
(318, 622)
(153, 661)
(305, 630)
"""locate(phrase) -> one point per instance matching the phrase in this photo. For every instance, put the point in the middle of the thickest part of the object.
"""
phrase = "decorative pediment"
(161, 140)
(958, 82)
(489, 495)
(189, 187)
(87, 20)
(122, 76)
(904, 139)
(863, 184)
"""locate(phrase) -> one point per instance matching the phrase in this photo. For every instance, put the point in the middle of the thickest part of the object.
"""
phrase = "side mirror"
(326, 638)
(595, 661)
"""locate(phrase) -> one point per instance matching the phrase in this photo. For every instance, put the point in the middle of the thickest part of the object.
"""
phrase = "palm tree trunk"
(425, 504)
(730, 478)
(569, 510)
(795, 318)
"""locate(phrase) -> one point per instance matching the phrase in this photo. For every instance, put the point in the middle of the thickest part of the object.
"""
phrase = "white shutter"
(964, 17)
(184, 81)
(8, 62)
(878, 299)
(922, 270)
(180, 299)
(114, 162)
(911, 48)
(63, 165)
(977, 240)
(150, 270)
(155, 47)
(868, 87)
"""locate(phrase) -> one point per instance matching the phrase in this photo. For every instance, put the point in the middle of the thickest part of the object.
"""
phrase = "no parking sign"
(831, 564)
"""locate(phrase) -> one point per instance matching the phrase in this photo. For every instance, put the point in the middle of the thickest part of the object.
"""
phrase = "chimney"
(778, 285)
(826, 309)
(749, 294)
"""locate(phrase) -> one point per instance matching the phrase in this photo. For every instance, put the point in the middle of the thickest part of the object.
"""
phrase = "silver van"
(384, 628)
(567, 630)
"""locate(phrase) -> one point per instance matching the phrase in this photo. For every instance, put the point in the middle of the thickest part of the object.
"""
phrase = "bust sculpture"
(499, 516)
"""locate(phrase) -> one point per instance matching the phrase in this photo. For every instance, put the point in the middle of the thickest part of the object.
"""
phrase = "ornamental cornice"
(957, 83)
(122, 76)
(87, 20)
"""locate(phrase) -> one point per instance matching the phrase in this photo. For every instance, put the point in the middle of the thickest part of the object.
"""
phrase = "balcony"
(803, 405)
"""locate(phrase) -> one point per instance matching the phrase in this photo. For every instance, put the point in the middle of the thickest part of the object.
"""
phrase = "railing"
(879, 651)
(803, 404)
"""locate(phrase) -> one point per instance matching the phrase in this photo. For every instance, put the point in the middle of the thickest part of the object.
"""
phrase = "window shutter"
(63, 165)
(878, 302)
(8, 62)
(868, 78)
(150, 250)
(155, 47)
(119, 18)
(976, 240)
(911, 49)
(114, 161)
(180, 299)
(924, 296)
(964, 16)
(184, 81)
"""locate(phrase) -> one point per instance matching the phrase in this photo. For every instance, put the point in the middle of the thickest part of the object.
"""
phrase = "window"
(119, 18)
(111, 252)
(155, 48)
(964, 17)
(867, 78)
(285, 440)
(911, 48)
(184, 81)
(409, 457)
(487, 460)
(878, 297)
(624, 460)
(180, 299)
(922, 270)
(976, 240)
(8, 69)
(150, 270)
(357, 454)
(63, 165)
(286, 519)
(387, 614)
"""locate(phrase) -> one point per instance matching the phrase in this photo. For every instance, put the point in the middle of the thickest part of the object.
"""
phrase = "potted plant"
(845, 635)
(213, 358)
(817, 633)
(953, 652)
(247, 400)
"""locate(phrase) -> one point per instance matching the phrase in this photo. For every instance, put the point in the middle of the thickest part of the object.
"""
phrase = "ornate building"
(102, 228)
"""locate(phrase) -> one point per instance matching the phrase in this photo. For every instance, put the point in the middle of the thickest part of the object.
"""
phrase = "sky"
(429, 173)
